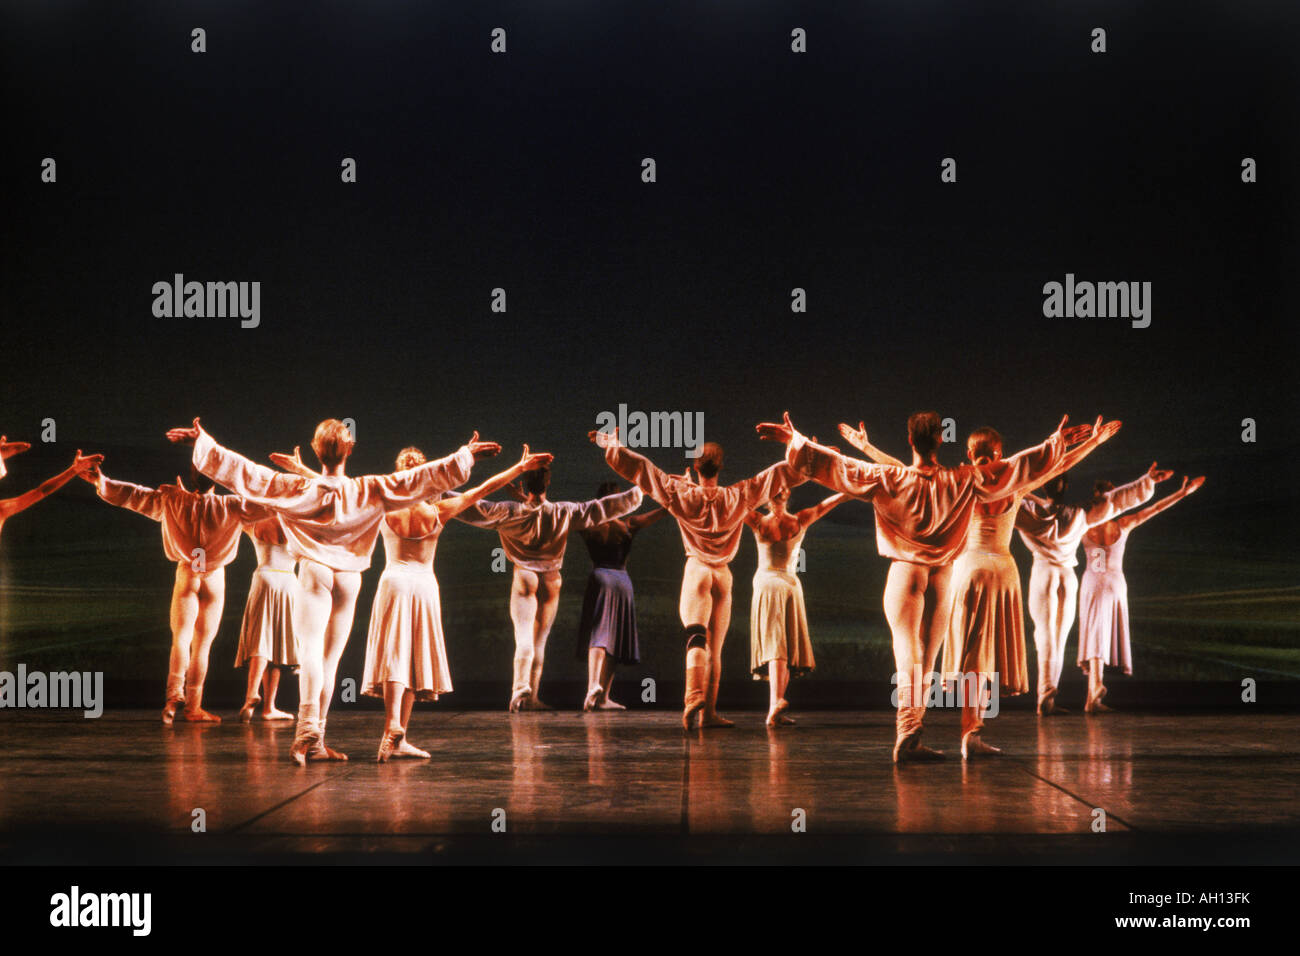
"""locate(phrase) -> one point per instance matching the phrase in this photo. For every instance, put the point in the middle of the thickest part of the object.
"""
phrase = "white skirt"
(267, 628)
(405, 643)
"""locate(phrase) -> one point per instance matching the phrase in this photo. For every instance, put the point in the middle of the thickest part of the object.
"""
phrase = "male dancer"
(200, 531)
(922, 513)
(331, 523)
(534, 533)
(712, 520)
(1052, 531)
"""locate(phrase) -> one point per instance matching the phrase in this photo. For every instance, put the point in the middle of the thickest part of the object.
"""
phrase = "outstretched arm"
(1100, 433)
(645, 520)
(1127, 497)
(638, 469)
(232, 470)
(826, 466)
(80, 465)
(453, 505)
(588, 514)
(857, 437)
(810, 516)
(1130, 521)
(293, 463)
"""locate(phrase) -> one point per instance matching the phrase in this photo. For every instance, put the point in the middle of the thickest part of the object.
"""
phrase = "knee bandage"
(695, 636)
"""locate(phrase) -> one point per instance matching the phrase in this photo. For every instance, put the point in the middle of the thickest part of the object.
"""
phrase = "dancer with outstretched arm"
(922, 516)
(712, 519)
(1103, 595)
(534, 534)
(1052, 531)
(779, 642)
(331, 523)
(267, 644)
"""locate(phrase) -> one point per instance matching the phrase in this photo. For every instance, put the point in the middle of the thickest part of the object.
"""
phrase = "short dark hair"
(925, 432)
(536, 482)
(710, 461)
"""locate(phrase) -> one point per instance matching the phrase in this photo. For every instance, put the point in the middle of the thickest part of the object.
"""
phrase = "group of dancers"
(952, 585)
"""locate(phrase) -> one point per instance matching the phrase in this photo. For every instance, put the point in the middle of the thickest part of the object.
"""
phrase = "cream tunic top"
(1053, 535)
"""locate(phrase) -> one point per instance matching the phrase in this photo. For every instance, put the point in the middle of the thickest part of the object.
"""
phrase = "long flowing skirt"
(609, 617)
(1103, 620)
(778, 624)
(405, 643)
(267, 628)
(986, 621)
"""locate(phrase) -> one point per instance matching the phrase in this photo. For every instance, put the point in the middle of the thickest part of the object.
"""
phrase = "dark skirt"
(609, 617)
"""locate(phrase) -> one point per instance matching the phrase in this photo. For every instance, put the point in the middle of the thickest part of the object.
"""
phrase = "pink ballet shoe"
(387, 743)
(197, 715)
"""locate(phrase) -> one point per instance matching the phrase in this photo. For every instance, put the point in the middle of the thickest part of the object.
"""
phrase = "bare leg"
(548, 602)
(1096, 689)
(696, 608)
(393, 730)
(607, 681)
(778, 678)
(184, 614)
(523, 615)
(257, 672)
(270, 687)
(595, 666)
(404, 747)
(212, 597)
(719, 622)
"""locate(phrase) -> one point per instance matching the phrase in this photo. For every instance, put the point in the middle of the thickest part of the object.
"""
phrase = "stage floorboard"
(631, 787)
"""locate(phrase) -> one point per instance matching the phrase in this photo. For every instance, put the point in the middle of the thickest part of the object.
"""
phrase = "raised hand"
(288, 462)
(479, 449)
(84, 463)
(533, 461)
(857, 437)
(1103, 432)
(184, 436)
(1160, 474)
(1191, 484)
(774, 431)
(10, 448)
(603, 439)
(1075, 433)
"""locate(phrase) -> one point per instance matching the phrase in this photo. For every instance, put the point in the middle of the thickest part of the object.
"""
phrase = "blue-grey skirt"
(609, 617)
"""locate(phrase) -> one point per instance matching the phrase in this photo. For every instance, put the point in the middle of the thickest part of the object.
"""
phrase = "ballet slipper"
(307, 736)
(197, 715)
(519, 702)
(275, 714)
(972, 746)
(593, 700)
(320, 753)
(391, 738)
(697, 678)
(406, 749)
(909, 749)
(169, 710)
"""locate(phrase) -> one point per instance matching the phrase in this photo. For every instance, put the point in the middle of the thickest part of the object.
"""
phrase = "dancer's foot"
(274, 714)
(391, 738)
(536, 703)
(246, 712)
(1097, 707)
(607, 704)
(304, 741)
(715, 719)
(593, 700)
(973, 746)
(197, 715)
(320, 752)
(169, 710)
(406, 749)
(909, 749)
(697, 679)
(774, 715)
(519, 702)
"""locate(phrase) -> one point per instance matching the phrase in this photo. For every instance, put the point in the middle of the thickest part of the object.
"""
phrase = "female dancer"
(779, 644)
(82, 465)
(8, 449)
(406, 656)
(607, 631)
(1103, 596)
(200, 532)
(534, 533)
(1052, 530)
(331, 523)
(986, 627)
(266, 639)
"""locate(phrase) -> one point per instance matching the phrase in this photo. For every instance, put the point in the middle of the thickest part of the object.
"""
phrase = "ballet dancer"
(922, 515)
(986, 627)
(8, 449)
(81, 466)
(534, 533)
(330, 524)
(266, 639)
(779, 643)
(711, 519)
(406, 655)
(200, 531)
(607, 629)
(1103, 595)
(1052, 530)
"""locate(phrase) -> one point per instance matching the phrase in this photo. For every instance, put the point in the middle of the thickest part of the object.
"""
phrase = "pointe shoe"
(304, 740)
(973, 746)
(406, 749)
(390, 740)
(198, 715)
(909, 749)
(697, 679)
(519, 702)
(169, 710)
